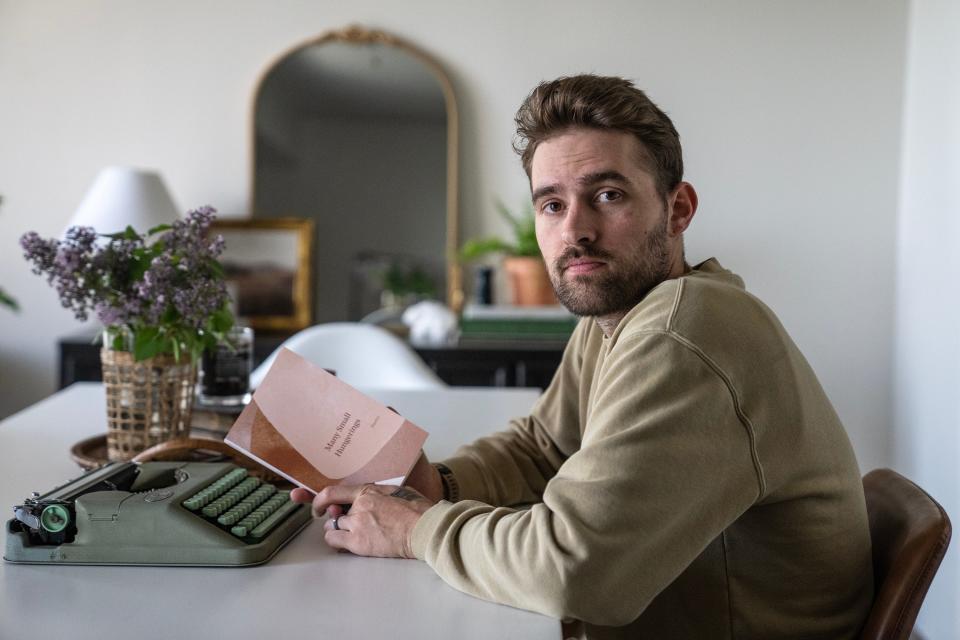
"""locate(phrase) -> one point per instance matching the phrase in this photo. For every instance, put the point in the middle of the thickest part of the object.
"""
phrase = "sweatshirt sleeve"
(513, 466)
(666, 464)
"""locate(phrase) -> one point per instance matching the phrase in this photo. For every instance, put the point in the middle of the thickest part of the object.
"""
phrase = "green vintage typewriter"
(156, 513)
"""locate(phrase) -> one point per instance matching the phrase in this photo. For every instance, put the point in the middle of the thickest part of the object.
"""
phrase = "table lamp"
(122, 196)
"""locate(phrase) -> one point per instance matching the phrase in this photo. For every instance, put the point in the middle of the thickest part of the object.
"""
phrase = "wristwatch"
(451, 490)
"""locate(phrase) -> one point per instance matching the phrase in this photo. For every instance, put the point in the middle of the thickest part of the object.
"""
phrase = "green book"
(553, 328)
(515, 323)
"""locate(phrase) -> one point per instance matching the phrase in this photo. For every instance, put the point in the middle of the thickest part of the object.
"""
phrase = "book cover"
(316, 430)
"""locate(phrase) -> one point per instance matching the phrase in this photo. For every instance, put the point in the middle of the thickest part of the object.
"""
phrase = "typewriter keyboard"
(243, 505)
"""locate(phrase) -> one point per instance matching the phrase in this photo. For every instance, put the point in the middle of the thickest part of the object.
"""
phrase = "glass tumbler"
(225, 370)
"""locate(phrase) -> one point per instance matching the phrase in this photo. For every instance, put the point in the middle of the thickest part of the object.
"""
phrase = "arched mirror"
(357, 130)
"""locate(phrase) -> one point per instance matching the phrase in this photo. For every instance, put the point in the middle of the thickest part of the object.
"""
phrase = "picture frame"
(268, 268)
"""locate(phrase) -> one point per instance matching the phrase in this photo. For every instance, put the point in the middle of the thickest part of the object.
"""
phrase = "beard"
(632, 276)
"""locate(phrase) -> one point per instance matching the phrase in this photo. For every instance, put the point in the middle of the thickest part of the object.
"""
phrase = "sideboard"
(479, 364)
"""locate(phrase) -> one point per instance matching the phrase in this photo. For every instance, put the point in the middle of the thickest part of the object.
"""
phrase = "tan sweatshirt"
(688, 479)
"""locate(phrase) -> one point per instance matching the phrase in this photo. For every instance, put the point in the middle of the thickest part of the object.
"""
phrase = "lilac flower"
(83, 237)
(109, 316)
(166, 285)
(39, 251)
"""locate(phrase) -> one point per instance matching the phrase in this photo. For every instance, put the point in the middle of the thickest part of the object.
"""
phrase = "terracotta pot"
(529, 281)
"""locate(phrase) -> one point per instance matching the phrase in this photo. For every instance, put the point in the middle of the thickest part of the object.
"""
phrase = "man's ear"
(683, 205)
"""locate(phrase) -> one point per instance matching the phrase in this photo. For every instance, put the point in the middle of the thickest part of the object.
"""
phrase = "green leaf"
(506, 214)
(159, 228)
(209, 340)
(473, 249)
(421, 283)
(216, 268)
(222, 320)
(524, 228)
(7, 301)
(394, 279)
(127, 234)
(148, 342)
(139, 264)
(527, 246)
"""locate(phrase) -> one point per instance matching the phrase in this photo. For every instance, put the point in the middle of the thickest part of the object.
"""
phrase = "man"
(687, 474)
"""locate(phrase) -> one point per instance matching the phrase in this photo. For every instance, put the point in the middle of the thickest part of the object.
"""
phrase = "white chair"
(363, 355)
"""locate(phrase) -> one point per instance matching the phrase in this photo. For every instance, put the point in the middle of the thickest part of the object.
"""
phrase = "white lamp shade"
(122, 196)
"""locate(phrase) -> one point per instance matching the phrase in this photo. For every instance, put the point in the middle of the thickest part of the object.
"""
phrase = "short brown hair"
(600, 102)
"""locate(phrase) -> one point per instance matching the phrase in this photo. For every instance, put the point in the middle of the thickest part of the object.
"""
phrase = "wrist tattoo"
(451, 489)
(406, 494)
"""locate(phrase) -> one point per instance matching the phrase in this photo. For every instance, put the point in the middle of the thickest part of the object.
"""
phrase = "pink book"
(316, 430)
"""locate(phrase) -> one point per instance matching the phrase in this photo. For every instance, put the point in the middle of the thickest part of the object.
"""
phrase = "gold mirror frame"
(356, 34)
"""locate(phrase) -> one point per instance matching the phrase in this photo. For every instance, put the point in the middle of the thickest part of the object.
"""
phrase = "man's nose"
(579, 225)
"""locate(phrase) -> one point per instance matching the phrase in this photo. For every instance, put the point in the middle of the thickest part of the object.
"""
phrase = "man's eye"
(551, 207)
(609, 196)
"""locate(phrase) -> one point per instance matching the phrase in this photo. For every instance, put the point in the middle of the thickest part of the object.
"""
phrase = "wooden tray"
(92, 453)
(207, 421)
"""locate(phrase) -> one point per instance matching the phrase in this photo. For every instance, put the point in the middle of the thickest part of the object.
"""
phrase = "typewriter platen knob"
(55, 518)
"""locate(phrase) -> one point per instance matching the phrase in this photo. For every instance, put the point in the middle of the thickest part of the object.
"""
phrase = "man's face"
(601, 225)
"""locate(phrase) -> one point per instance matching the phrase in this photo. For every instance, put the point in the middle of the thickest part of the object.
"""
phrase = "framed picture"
(268, 270)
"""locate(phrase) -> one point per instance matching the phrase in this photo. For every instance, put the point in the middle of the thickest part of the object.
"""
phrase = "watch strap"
(451, 489)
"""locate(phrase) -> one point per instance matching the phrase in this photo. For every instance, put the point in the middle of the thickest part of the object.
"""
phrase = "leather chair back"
(910, 533)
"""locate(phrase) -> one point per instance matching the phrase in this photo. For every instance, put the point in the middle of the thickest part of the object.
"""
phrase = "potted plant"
(162, 299)
(404, 285)
(522, 261)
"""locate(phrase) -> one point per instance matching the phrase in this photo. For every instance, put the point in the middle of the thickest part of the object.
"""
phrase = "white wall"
(790, 114)
(927, 356)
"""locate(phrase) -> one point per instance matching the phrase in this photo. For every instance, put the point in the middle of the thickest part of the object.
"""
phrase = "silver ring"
(336, 523)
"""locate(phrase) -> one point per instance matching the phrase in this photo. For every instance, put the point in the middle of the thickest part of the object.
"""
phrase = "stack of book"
(513, 323)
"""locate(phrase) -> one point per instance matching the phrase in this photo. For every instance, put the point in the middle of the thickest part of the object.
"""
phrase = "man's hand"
(380, 522)
(424, 477)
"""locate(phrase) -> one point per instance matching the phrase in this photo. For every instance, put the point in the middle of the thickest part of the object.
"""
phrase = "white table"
(307, 590)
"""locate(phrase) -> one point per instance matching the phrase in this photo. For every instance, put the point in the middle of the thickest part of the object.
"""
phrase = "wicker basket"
(148, 402)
